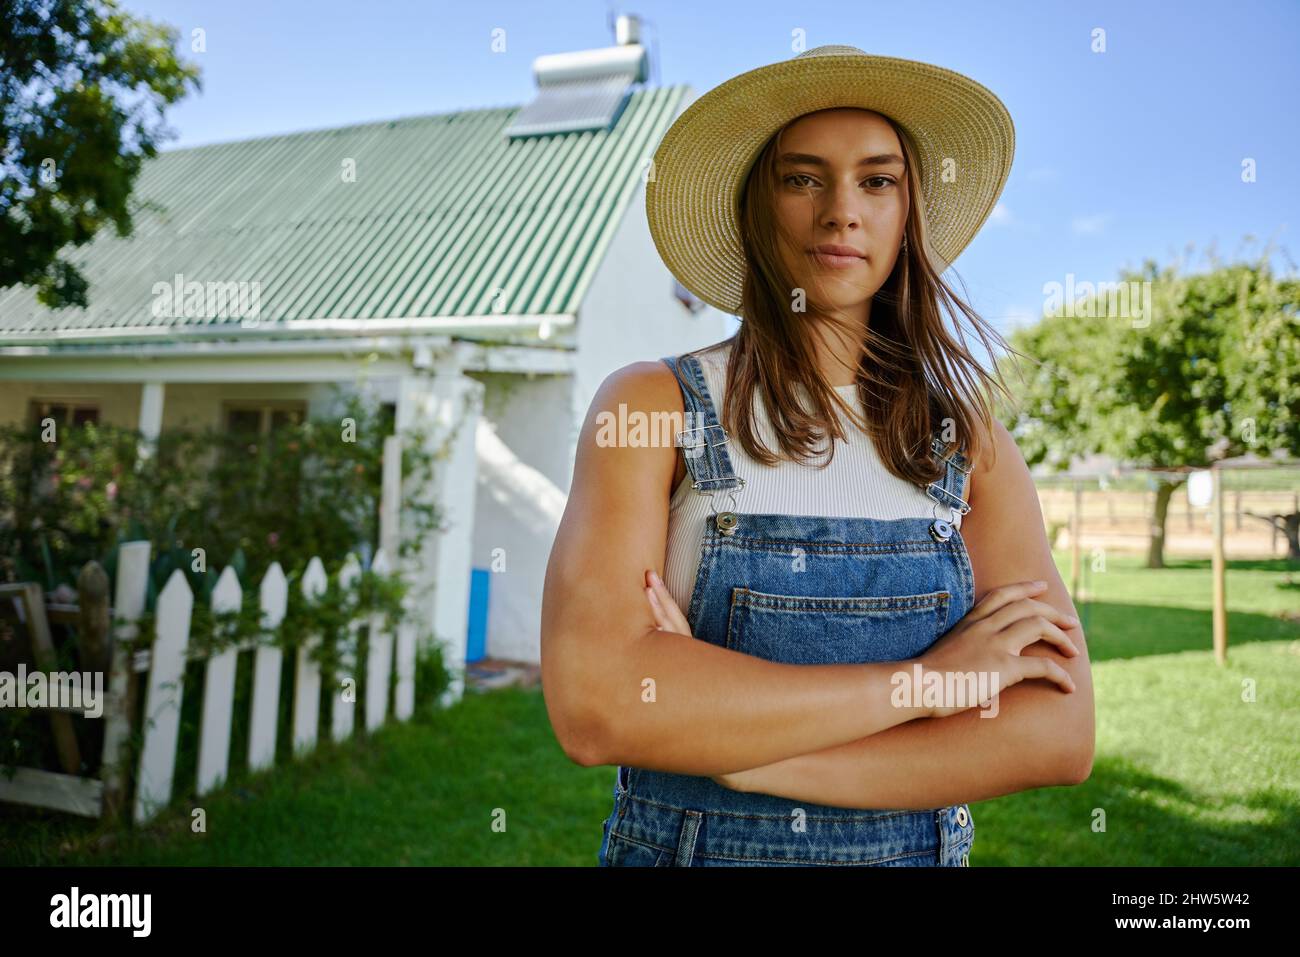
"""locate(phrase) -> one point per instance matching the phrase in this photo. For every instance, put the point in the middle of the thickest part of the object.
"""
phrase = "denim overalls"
(800, 590)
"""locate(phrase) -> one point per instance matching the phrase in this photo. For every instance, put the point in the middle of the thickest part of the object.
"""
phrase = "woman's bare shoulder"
(635, 414)
(647, 391)
(1004, 528)
(998, 456)
(648, 386)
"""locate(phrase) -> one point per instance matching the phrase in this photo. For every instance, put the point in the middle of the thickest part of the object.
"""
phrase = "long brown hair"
(914, 375)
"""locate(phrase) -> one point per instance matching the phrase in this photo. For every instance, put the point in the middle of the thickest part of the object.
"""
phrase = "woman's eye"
(882, 181)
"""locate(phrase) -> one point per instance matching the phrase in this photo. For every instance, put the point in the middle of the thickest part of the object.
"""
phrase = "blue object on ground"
(476, 643)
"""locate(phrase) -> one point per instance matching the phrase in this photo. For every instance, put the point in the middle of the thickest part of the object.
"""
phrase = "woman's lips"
(836, 262)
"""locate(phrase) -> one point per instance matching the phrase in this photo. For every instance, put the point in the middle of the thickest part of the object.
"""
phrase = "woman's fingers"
(1004, 595)
(1030, 606)
(666, 602)
(1031, 628)
(660, 621)
(1052, 613)
(1025, 626)
(1051, 620)
(1036, 666)
(673, 619)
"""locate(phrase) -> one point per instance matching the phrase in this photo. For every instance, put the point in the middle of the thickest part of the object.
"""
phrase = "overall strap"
(704, 441)
(950, 490)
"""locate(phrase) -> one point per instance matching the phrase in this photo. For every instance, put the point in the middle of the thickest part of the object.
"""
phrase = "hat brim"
(963, 133)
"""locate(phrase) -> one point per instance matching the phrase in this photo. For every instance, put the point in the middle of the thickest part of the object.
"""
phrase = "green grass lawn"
(1186, 773)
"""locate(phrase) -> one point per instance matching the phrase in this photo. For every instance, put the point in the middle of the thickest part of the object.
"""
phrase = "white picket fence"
(390, 658)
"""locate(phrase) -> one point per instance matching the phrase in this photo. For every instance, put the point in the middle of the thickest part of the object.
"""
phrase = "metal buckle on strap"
(699, 486)
(725, 438)
(945, 497)
(941, 530)
(715, 484)
(956, 458)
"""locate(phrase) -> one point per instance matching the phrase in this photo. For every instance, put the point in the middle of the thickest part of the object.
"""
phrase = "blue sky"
(1121, 156)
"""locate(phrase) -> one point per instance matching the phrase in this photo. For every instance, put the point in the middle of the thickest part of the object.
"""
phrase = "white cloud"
(1003, 216)
(1090, 225)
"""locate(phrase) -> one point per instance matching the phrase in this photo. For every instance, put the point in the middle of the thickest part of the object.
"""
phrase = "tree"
(1262, 357)
(1210, 371)
(78, 82)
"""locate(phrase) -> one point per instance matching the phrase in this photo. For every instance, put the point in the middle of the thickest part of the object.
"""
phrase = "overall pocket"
(622, 852)
(814, 630)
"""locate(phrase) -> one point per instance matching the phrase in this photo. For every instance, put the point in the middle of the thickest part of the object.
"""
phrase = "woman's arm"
(1039, 737)
(935, 762)
(617, 689)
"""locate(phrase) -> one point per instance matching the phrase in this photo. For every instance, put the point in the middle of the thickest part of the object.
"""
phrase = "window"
(63, 411)
(263, 418)
(252, 421)
(244, 420)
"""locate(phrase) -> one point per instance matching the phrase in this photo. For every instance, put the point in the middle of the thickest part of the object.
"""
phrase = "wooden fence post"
(162, 708)
(390, 533)
(93, 637)
(344, 708)
(1076, 532)
(306, 690)
(379, 658)
(128, 605)
(268, 660)
(219, 692)
(1218, 567)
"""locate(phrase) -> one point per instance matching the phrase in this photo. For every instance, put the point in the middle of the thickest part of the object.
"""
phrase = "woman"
(850, 624)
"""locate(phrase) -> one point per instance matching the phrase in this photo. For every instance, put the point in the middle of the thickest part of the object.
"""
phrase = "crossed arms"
(619, 690)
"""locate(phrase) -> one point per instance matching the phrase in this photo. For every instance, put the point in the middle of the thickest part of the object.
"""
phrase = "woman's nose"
(840, 212)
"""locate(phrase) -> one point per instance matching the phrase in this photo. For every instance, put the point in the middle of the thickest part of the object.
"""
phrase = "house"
(497, 254)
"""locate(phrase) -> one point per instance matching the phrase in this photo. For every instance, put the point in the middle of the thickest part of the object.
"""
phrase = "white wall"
(531, 415)
(631, 315)
(522, 449)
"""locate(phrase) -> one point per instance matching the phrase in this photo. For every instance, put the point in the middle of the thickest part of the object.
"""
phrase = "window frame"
(265, 409)
(73, 404)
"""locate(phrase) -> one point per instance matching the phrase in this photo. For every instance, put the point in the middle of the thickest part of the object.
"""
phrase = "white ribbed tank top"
(854, 485)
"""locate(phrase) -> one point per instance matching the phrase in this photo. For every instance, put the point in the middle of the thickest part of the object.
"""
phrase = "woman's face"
(841, 181)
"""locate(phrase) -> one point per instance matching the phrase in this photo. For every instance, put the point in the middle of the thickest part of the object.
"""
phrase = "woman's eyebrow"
(881, 159)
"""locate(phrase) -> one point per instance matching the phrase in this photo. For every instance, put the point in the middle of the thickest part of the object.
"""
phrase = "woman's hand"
(989, 639)
(668, 617)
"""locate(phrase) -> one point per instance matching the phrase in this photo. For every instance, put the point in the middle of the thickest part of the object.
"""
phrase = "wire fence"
(1117, 512)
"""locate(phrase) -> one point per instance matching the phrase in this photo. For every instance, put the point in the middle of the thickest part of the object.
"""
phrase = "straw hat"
(692, 198)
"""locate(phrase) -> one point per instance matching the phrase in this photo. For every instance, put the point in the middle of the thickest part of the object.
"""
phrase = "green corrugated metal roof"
(445, 212)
